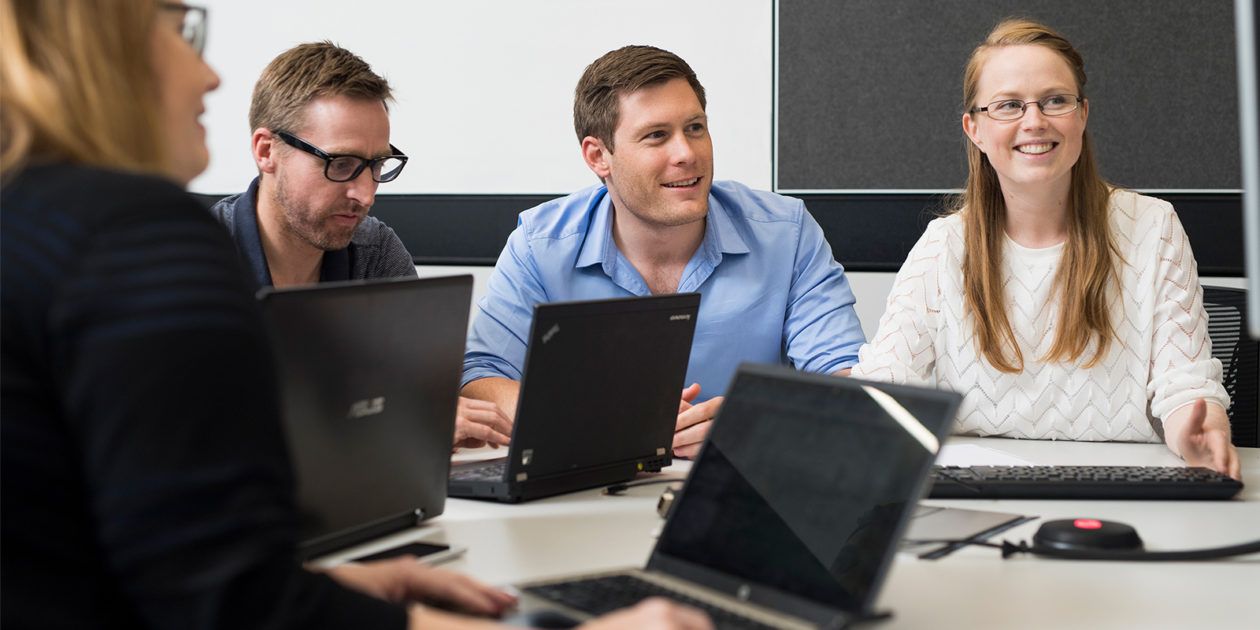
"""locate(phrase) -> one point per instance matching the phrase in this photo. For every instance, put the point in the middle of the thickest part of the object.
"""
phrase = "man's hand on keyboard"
(481, 422)
(1199, 432)
(652, 613)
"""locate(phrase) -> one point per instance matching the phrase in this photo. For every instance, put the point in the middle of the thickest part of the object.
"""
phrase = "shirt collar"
(333, 266)
(720, 230)
(720, 235)
(336, 265)
(245, 220)
(598, 247)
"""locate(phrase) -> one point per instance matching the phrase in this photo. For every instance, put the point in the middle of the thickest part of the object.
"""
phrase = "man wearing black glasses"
(320, 124)
(321, 143)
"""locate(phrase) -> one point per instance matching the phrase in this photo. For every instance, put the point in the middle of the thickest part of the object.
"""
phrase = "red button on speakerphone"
(1087, 523)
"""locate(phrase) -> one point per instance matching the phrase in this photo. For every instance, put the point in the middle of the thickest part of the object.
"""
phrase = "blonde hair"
(306, 72)
(77, 84)
(1087, 268)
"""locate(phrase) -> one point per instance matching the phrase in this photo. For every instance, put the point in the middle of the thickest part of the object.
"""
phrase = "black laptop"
(369, 374)
(792, 512)
(598, 401)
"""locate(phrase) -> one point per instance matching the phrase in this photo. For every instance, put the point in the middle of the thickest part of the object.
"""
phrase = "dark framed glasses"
(1013, 109)
(343, 168)
(192, 26)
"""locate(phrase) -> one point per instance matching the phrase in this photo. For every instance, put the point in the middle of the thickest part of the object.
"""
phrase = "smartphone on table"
(427, 552)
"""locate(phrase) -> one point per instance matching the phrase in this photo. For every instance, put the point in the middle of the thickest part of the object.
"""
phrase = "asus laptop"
(369, 377)
(599, 398)
(792, 512)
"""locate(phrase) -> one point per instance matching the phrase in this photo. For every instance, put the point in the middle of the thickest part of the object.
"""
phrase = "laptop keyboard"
(489, 471)
(1080, 482)
(597, 596)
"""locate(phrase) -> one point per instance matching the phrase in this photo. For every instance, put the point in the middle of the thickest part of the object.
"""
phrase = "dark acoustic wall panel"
(867, 232)
(874, 232)
(447, 229)
(454, 229)
(870, 90)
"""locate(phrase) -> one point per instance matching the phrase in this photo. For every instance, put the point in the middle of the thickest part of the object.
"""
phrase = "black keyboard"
(490, 471)
(597, 596)
(1080, 482)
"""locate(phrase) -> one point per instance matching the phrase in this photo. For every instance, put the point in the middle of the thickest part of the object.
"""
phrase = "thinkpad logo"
(682, 317)
(555, 328)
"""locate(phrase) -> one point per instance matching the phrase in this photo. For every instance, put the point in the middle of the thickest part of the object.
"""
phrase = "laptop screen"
(805, 483)
(369, 378)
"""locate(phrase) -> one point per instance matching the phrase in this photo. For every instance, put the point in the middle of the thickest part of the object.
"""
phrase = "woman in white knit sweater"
(1062, 308)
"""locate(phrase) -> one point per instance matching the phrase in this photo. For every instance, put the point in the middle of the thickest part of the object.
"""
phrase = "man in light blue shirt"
(771, 292)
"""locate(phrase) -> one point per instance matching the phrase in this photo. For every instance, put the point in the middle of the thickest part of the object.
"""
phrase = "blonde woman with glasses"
(145, 481)
(1061, 307)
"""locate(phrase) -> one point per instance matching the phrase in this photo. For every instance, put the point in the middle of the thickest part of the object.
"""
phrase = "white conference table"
(971, 588)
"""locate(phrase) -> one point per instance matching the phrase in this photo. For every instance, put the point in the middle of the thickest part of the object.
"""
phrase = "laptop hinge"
(756, 612)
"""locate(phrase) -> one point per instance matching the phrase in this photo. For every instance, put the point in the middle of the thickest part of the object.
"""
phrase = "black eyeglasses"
(343, 168)
(1013, 109)
(193, 25)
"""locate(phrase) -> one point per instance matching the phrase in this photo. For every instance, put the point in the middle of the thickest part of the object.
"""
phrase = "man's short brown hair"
(622, 71)
(306, 72)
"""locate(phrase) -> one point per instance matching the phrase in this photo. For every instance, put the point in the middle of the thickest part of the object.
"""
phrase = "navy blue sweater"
(144, 477)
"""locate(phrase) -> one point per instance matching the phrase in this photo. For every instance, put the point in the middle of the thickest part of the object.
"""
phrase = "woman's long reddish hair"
(1087, 269)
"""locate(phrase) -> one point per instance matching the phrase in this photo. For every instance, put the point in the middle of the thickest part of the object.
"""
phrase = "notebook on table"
(792, 512)
(369, 377)
(598, 400)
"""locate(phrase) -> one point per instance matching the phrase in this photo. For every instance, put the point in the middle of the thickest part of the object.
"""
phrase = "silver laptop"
(791, 514)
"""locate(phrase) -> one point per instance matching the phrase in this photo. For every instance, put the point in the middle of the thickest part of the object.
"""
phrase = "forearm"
(500, 391)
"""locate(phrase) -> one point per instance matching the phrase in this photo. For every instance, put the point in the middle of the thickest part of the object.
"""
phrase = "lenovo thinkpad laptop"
(369, 374)
(599, 398)
(792, 512)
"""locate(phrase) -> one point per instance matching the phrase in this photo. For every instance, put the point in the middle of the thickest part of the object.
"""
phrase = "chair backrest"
(1240, 358)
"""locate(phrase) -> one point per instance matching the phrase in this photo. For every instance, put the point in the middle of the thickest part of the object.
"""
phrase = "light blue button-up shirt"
(771, 292)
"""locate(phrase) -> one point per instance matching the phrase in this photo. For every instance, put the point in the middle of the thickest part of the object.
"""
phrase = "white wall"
(485, 87)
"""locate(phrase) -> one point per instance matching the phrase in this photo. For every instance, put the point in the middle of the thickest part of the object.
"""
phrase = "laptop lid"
(800, 494)
(602, 383)
(369, 376)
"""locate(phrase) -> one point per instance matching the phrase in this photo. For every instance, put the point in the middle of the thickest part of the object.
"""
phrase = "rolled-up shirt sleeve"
(821, 332)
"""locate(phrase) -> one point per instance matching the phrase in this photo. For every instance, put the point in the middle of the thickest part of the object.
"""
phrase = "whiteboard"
(484, 88)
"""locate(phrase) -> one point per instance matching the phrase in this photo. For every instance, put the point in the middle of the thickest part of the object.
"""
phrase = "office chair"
(1240, 358)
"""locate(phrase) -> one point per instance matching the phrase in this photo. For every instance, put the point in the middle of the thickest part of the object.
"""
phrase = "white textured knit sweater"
(1160, 359)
